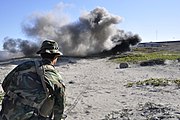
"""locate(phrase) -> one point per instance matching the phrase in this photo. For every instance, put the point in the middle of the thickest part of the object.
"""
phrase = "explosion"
(95, 32)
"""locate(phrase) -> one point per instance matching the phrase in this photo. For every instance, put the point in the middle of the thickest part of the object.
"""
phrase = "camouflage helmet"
(50, 47)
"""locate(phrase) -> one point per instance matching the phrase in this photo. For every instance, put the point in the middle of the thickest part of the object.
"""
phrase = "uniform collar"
(47, 62)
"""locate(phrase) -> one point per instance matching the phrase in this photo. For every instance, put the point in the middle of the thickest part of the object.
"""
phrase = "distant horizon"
(178, 40)
(169, 41)
(153, 21)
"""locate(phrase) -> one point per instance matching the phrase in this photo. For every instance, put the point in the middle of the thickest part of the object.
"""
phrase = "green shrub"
(154, 82)
(177, 82)
(138, 57)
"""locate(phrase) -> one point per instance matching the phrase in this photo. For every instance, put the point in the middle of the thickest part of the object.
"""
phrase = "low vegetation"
(154, 82)
(144, 54)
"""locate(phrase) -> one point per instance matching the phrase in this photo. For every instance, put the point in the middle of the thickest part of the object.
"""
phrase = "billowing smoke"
(18, 45)
(123, 42)
(94, 32)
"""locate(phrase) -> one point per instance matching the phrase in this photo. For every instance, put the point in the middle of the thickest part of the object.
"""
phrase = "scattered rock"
(87, 112)
(152, 62)
(1, 89)
(72, 61)
(124, 114)
(123, 65)
(154, 111)
(178, 59)
(147, 111)
(71, 82)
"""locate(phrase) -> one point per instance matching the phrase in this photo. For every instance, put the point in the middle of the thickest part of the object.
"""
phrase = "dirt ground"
(95, 90)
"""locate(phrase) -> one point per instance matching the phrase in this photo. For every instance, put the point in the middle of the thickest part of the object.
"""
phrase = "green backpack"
(26, 84)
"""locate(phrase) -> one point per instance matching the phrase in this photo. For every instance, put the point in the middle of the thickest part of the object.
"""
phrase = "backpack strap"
(40, 72)
(46, 106)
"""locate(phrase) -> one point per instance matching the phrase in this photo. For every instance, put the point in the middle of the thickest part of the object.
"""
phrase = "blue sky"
(153, 20)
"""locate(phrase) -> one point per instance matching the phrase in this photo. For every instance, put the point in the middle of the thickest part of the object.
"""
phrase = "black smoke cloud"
(95, 31)
(123, 43)
(18, 45)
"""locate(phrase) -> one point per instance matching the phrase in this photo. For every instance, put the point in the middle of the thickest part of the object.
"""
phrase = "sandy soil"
(98, 84)
(96, 90)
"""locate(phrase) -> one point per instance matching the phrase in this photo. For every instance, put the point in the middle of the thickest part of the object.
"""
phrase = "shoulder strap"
(40, 72)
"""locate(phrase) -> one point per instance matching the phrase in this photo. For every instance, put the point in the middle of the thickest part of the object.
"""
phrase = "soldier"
(34, 90)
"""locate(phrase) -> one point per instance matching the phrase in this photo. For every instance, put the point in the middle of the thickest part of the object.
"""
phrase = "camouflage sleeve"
(59, 102)
(53, 79)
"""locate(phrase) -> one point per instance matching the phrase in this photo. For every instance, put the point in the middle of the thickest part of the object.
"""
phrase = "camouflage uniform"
(30, 95)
